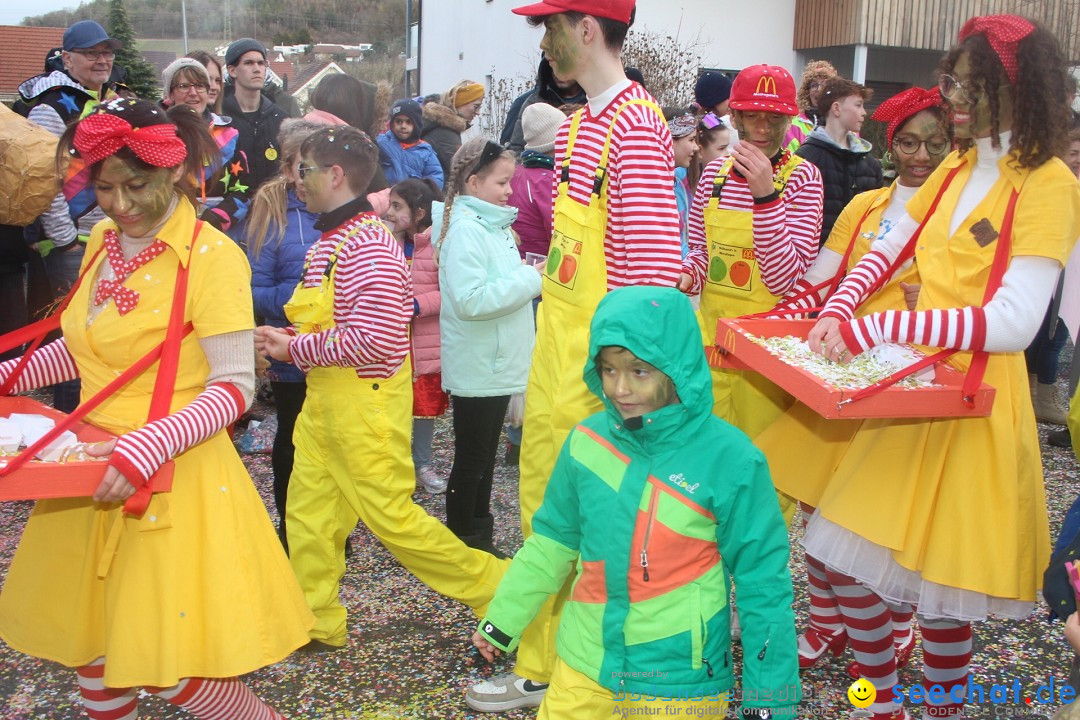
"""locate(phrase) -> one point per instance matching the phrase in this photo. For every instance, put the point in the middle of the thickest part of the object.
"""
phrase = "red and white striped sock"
(869, 626)
(100, 702)
(825, 619)
(217, 699)
(901, 621)
(958, 328)
(946, 661)
(50, 364)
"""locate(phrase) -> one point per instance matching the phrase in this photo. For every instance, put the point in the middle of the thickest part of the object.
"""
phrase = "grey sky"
(12, 12)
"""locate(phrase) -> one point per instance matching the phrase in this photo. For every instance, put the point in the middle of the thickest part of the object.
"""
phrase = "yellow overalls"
(733, 287)
(575, 280)
(353, 462)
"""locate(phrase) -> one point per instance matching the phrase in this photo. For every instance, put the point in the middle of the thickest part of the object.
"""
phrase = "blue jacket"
(276, 270)
(401, 163)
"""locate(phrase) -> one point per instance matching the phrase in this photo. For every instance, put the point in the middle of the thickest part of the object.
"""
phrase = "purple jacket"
(532, 197)
(425, 327)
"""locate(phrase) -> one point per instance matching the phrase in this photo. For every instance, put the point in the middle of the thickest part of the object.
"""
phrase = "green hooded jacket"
(654, 516)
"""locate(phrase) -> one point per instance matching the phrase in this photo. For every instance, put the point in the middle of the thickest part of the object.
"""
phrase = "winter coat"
(652, 514)
(845, 172)
(428, 302)
(257, 140)
(275, 272)
(401, 162)
(486, 321)
(228, 189)
(531, 185)
(443, 128)
(546, 91)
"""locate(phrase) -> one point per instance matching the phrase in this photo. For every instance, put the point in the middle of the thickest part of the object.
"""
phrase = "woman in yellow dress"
(949, 514)
(185, 595)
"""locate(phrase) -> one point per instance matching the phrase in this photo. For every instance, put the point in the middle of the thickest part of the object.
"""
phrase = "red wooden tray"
(38, 480)
(944, 399)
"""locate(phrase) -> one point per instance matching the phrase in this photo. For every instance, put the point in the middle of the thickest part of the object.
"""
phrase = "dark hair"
(350, 99)
(203, 155)
(347, 147)
(836, 89)
(418, 195)
(614, 32)
(1041, 116)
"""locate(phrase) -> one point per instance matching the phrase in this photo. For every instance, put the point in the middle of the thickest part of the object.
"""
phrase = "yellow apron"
(575, 280)
(346, 418)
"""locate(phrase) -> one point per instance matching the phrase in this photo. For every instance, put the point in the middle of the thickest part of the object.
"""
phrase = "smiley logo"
(861, 693)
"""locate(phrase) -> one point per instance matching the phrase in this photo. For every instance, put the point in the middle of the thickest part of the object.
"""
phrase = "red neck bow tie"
(126, 298)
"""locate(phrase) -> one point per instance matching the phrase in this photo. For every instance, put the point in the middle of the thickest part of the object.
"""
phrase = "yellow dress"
(804, 476)
(949, 505)
(199, 586)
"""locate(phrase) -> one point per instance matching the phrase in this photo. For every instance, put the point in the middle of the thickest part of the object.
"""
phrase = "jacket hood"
(436, 114)
(37, 85)
(657, 325)
(499, 217)
(547, 89)
(855, 143)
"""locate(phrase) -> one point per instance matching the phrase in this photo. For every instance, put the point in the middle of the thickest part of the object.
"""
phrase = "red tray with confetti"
(770, 347)
(38, 479)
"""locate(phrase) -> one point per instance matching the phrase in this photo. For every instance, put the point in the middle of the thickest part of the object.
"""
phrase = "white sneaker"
(430, 479)
(505, 692)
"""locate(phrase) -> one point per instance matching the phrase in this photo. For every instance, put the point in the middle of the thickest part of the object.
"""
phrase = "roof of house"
(160, 59)
(306, 73)
(284, 69)
(33, 44)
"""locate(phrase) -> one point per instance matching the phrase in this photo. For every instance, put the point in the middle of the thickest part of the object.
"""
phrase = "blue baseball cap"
(86, 34)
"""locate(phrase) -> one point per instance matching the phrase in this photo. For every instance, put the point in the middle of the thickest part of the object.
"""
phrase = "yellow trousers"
(573, 696)
(352, 463)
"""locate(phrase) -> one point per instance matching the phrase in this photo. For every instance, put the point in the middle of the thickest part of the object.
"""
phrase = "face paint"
(927, 135)
(399, 217)
(134, 198)
(561, 47)
(633, 386)
(765, 130)
(971, 104)
(684, 148)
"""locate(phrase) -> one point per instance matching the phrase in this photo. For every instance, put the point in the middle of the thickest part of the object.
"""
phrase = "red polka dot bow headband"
(1004, 33)
(900, 107)
(100, 135)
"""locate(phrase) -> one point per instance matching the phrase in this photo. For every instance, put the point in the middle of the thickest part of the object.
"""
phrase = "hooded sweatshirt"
(652, 514)
(845, 171)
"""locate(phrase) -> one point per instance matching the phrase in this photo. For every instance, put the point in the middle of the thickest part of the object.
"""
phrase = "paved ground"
(408, 654)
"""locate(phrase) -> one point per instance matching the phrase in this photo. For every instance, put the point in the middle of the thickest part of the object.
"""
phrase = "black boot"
(483, 539)
(1060, 438)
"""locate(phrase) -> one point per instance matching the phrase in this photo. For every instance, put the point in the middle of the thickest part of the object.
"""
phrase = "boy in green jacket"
(654, 503)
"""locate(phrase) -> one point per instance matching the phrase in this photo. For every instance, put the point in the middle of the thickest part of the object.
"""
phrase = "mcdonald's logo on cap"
(766, 85)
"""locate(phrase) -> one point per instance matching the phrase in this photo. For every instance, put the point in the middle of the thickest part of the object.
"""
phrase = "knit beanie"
(169, 73)
(712, 89)
(412, 110)
(468, 93)
(539, 123)
(241, 47)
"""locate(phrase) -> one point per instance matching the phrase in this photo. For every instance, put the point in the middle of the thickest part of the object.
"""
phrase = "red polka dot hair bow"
(901, 106)
(1004, 33)
(100, 135)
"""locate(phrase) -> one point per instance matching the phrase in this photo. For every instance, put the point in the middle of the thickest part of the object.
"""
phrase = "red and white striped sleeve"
(50, 364)
(643, 235)
(141, 452)
(373, 306)
(856, 286)
(696, 262)
(786, 230)
(959, 328)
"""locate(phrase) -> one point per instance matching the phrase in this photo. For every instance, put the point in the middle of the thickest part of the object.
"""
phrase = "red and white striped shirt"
(641, 243)
(786, 229)
(372, 303)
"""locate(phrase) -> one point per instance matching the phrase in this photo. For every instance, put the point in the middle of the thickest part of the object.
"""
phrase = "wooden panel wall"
(921, 24)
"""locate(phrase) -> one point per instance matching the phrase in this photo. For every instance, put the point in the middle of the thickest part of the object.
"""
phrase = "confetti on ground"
(408, 654)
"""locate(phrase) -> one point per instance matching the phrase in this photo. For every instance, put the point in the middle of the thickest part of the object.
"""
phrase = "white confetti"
(862, 371)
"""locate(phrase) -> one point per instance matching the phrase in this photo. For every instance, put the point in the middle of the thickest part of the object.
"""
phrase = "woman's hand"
(1072, 631)
(489, 651)
(114, 487)
(825, 340)
(273, 342)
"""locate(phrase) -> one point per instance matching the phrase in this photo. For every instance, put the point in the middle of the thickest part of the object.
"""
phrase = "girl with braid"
(949, 515)
(184, 594)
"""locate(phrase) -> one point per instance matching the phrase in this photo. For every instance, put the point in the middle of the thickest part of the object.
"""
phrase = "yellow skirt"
(199, 586)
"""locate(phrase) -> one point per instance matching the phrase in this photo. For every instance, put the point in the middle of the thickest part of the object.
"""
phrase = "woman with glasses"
(919, 138)
(224, 190)
(949, 514)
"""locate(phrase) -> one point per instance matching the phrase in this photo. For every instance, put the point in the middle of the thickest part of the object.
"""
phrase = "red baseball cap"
(618, 10)
(767, 88)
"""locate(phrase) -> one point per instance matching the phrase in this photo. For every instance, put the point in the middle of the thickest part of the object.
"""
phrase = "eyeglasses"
(303, 170)
(948, 85)
(816, 85)
(184, 87)
(909, 145)
(95, 55)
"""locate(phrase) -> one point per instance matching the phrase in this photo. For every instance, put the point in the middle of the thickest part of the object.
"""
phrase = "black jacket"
(545, 91)
(845, 173)
(257, 140)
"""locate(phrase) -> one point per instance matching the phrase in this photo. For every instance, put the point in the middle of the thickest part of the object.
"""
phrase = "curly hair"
(1040, 97)
(819, 70)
